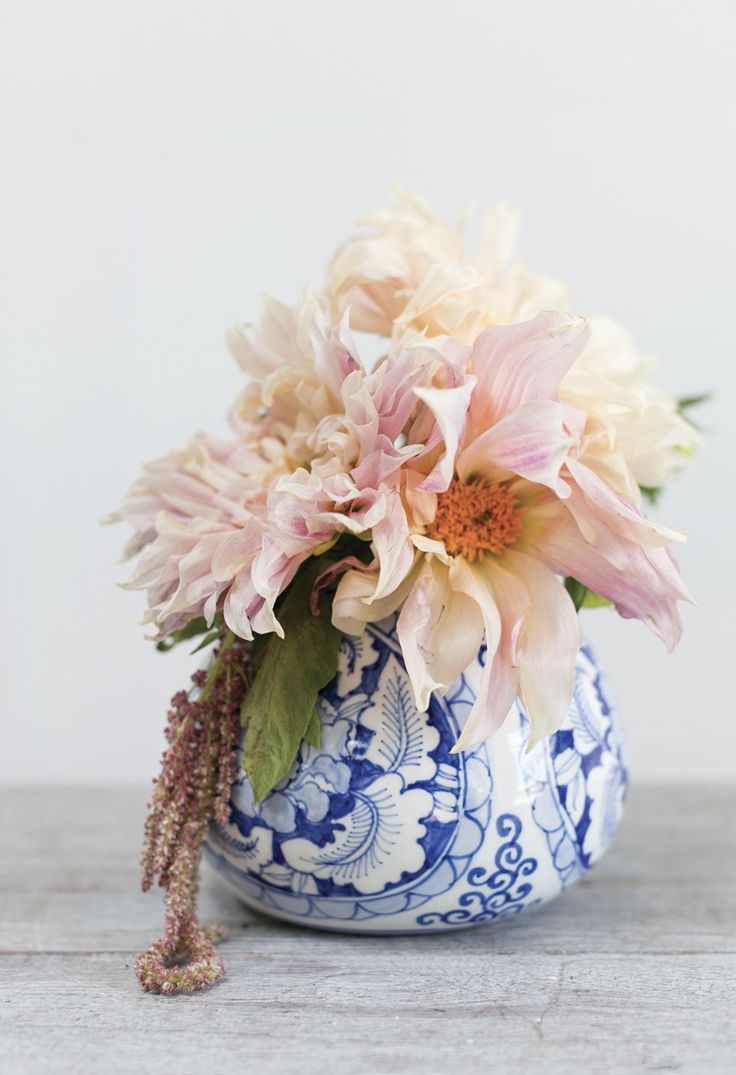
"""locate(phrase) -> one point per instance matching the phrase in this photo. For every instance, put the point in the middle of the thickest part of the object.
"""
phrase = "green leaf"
(687, 402)
(582, 597)
(651, 493)
(594, 600)
(207, 640)
(577, 592)
(195, 627)
(279, 709)
(314, 730)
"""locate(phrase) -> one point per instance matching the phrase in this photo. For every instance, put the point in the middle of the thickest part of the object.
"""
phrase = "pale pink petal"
(533, 442)
(547, 646)
(449, 406)
(260, 351)
(446, 300)
(484, 718)
(440, 631)
(196, 586)
(240, 598)
(391, 385)
(335, 353)
(392, 544)
(642, 583)
(513, 602)
(523, 363)
(382, 463)
(354, 604)
(236, 551)
(422, 506)
(498, 239)
(599, 504)
(271, 572)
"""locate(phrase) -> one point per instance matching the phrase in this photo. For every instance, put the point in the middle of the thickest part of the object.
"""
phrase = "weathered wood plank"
(668, 884)
(376, 1015)
(634, 969)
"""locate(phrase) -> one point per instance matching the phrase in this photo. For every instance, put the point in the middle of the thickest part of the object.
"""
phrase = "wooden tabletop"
(633, 969)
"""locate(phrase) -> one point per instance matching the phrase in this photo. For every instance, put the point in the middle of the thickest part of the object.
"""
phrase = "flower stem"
(214, 669)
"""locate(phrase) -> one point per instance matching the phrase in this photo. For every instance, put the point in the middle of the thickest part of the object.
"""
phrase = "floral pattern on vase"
(383, 829)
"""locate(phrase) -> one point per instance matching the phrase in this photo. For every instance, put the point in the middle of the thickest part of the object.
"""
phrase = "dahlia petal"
(498, 238)
(642, 583)
(235, 551)
(382, 463)
(532, 442)
(421, 505)
(522, 363)
(485, 717)
(600, 504)
(354, 604)
(447, 299)
(449, 406)
(333, 346)
(260, 352)
(547, 646)
(238, 600)
(514, 603)
(392, 545)
(392, 384)
(440, 630)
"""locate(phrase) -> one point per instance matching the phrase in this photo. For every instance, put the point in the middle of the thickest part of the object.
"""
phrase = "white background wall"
(165, 162)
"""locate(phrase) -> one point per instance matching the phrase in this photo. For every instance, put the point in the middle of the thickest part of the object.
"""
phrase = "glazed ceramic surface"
(382, 829)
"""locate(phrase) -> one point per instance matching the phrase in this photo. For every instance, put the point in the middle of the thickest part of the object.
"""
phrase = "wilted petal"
(236, 551)
(239, 599)
(440, 630)
(335, 353)
(599, 504)
(354, 604)
(449, 406)
(261, 351)
(392, 545)
(547, 646)
(523, 363)
(533, 442)
(382, 463)
(642, 582)
(485, 717)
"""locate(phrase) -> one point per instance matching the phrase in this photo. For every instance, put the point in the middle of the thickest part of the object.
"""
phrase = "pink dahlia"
(498, 509)
(225, 525)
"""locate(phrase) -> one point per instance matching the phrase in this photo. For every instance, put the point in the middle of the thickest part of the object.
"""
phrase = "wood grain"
(634, 969)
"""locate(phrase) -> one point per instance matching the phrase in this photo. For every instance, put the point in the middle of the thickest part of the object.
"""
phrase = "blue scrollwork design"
(496, 894)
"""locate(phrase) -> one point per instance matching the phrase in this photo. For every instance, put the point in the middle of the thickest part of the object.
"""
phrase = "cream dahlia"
(406, 268)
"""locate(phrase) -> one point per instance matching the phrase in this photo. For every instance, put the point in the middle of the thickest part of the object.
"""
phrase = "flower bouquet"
(397, 726)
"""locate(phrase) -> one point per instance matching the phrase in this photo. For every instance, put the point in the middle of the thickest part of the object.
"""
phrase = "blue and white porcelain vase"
(383, 830)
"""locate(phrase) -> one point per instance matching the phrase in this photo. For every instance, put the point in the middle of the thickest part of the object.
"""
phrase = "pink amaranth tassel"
(198, 769)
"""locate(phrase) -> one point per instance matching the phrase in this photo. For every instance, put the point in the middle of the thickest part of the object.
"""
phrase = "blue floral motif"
(368, 813)
(577, 776)
(382, 828)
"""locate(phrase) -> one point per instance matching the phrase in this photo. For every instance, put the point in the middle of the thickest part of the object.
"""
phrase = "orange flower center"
(476, 519)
